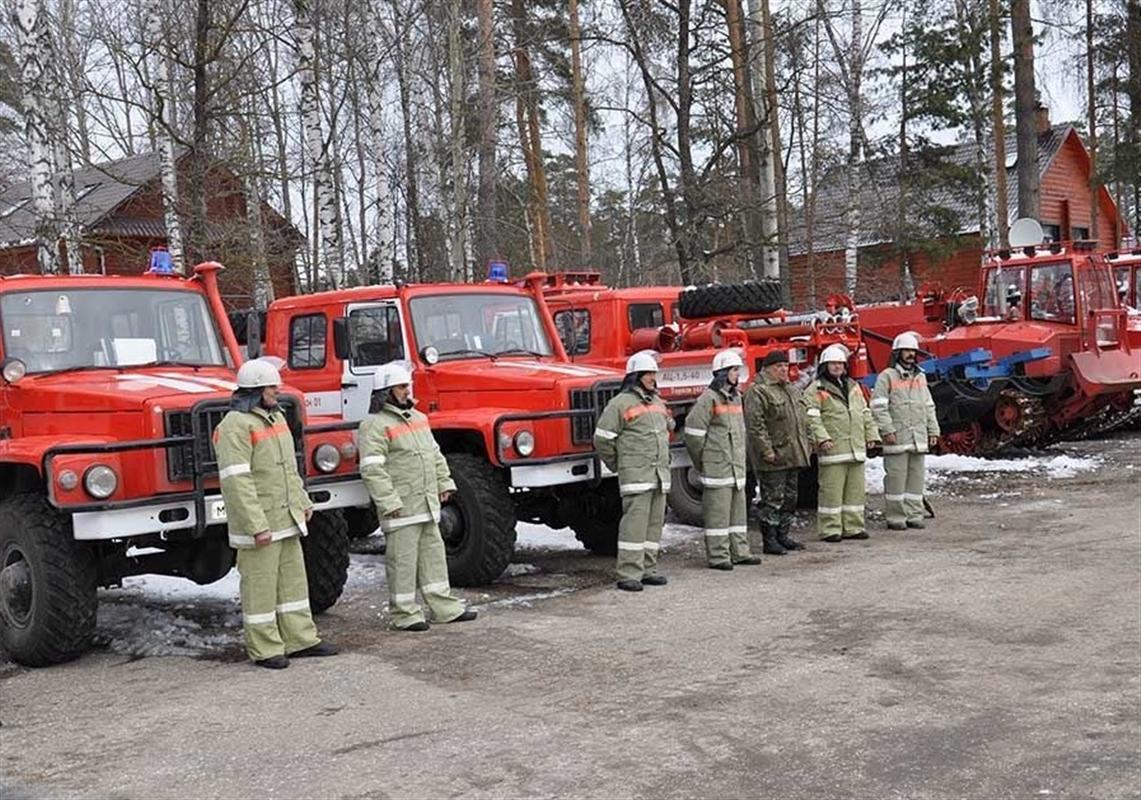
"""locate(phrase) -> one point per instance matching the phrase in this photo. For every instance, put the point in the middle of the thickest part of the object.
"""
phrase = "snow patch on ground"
(520, 569)
(943, 467)
(540, 537)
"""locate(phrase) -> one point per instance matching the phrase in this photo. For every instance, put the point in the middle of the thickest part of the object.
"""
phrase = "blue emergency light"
(498, 272)
(161, 262)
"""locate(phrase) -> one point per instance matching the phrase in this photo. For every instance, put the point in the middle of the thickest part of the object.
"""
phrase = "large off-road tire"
(594, 518)
(720, 299)
(362, 521)
(478, 525)
(326, 550)
(47, 584)
(685, 498)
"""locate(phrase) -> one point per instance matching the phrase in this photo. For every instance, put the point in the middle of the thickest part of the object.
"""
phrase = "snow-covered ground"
(944, 467)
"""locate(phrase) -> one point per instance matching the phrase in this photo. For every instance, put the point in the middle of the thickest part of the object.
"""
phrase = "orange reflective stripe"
(637, 411)
(217, 435)
(905, 383)
(409, 427)
(266, 433)
(727, 410)
(822, 395)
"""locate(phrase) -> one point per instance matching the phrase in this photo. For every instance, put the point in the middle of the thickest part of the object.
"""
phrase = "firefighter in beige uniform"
(715, 439)
(267, 509)
(407, 478)
(841, 427)
(632, 439)
(904, 411)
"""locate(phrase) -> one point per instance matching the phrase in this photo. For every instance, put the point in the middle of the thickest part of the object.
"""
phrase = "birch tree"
(31, 21)
(161, 108)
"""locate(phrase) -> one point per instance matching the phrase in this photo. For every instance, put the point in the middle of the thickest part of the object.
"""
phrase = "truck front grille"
(595, 399)
(184, 461)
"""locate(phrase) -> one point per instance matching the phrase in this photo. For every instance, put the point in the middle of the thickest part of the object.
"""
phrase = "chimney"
(1041, 119)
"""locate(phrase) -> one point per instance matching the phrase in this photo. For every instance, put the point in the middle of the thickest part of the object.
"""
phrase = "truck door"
(376, 337)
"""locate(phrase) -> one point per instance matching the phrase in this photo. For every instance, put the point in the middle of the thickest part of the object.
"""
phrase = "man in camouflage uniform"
(778, 449)
(715, 439)
(407, 478)
(632, 439)
(904, 411)
(267, 509)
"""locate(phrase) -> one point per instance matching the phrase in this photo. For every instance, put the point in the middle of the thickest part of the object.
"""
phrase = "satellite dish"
(1025, 232)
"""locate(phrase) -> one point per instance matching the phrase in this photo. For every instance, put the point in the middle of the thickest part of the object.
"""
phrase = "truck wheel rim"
(16, 590)
(453, 527)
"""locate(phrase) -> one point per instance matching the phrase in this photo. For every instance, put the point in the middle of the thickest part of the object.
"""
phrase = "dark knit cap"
(775, 357)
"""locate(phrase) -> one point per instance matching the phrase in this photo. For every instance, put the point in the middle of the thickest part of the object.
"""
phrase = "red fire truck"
(111, 389)
(513, 415)
(603, 326)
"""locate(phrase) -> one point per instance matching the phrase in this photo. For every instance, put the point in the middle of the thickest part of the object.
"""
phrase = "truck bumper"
(180, 514)
(577, 470)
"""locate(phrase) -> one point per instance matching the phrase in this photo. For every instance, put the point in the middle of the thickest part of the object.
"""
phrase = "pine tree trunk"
(458, 220)
(767, 153)
(581, 165)
(486, 216)
(532, 138)
(1133, 135)
(32, 23)
(855, 141)
(998, 126)
(165, 136)
(1024, 102)
(1094, 184)
(745, 133)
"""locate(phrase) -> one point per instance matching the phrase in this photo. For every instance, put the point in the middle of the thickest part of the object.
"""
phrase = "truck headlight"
(524, 443)
(100, 481)
(326, 458)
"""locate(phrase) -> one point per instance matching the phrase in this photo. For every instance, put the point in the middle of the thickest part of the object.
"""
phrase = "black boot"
(273, 662)
(630, 585)
(415, 627)
(467, 616)
(319, 650)
(655, 580)
(771, 547)
(787, 542)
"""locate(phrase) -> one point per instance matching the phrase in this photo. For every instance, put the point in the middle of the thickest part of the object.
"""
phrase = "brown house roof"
(101, 189)
(879, 194)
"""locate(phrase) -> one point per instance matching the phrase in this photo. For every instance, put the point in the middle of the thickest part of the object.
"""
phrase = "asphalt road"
(995, 655)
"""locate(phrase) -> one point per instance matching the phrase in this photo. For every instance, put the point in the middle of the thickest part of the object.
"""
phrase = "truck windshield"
(1052, 292)
(51, 330)
(472, 325)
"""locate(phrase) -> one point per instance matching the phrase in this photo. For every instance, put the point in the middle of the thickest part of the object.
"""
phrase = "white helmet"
(834, 353)
(642, 361)
(392, 374)
(906, 341)
(727, 359)
(258, 374)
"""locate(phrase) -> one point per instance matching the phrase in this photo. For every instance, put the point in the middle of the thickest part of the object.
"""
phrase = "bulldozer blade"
(1107, 371)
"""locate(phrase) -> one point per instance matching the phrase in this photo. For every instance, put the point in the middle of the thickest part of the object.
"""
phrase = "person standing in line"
(408, 480)
(778, 449)
(904, 412)
(267, 511)
(715, 439)
(841, 427)
(633, 440)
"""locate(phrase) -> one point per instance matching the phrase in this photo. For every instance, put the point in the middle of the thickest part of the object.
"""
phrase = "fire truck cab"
(111, 388)
(514, 417)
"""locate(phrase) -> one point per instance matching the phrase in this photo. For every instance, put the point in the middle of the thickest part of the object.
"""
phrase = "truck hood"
(101, 391)
(515, 375)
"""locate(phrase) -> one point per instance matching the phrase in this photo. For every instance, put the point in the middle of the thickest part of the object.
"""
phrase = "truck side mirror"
(341, 342)
(253, 334)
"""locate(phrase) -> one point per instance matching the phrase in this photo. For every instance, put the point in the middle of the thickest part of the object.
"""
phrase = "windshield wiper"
(169, 363)
(77, 368)
(519, 351)
(492, 356)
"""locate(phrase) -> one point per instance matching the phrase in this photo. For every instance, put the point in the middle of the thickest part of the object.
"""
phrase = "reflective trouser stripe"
(903, 486)
(840, 503)
(240, 540)
(724, 511)
(393, 523)
(640, 534)
(415, 554)
(275, 605)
